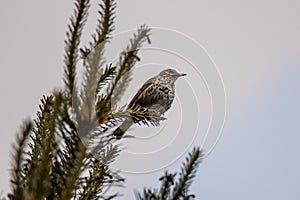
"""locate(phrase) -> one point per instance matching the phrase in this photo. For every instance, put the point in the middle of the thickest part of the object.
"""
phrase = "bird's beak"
(182, 74)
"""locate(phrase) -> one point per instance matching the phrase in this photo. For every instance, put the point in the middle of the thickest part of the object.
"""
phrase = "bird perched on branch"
(157, 93)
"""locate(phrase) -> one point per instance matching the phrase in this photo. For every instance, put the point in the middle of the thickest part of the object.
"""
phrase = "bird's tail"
(120, 131)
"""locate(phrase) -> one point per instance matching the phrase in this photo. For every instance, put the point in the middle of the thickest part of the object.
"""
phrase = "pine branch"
(92, 185)
(188, 172)
(108, 74)
(94, 59)
(122, 77)
(106, 21)
(167, 181)
(126, 62)
(18, 171)
(101, 137)
(179, 190)
(40, 128)
(147, 194)
(109, 154)
(74, 173)
(40, 182)
(89, 111)
(39, 139)
(105, 26)
(72, 43)
(99, 180)
(94, 182)
(68, 152)
(37, 165)
(139, 115)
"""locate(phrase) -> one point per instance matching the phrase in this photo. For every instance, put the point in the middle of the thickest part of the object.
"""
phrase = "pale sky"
(255, 46)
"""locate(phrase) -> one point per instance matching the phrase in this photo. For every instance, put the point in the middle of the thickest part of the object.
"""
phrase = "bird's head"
(172, 73)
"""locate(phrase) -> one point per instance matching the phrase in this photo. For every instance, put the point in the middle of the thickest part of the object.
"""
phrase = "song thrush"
(158, 92)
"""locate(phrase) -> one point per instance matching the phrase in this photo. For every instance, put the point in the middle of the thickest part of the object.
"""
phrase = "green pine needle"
(94, 58)
(188, 172)
(19, 158)
(126, 62)
(171, 190)
(72, 43)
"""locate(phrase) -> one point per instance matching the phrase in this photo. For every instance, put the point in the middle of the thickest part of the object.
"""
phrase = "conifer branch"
(93, 58)
(122, 77)
(40, 128)
(78, 164)
(41, 175)
(18, 171)
(74, 172)
(126, 62)
(109, 154)
(139, 115)
(37, 151)
(107, 75)
(100, 179)
(68, 153)
(180, 187)
(188, 172)
(148, 194)
(93, 182)
(72, 43)
(167, 181)
(90, 109)
(105, 26)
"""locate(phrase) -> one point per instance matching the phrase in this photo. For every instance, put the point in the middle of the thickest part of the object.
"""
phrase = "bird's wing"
(141, 95)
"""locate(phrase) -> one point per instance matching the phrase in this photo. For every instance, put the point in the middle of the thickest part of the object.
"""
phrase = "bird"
(157, 92)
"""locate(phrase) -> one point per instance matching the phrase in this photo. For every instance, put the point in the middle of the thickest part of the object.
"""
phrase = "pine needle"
(126, 62)
(72, 42)
(18, 172)
(188, 172)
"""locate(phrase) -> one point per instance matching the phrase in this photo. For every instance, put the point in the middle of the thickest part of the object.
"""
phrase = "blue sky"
(257, 156)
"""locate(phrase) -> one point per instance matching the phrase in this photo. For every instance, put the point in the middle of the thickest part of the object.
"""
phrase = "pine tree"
(66, 152)
(171, 189)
